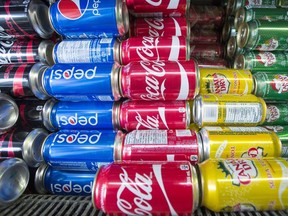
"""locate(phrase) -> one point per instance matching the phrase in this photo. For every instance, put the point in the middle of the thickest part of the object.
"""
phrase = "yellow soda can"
(239, 142)
(225, 81)
(228, 110)
(244, 184)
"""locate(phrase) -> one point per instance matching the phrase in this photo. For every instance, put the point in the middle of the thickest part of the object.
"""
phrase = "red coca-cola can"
(161, 145)
(207, 36)
(152, 8)
(134, 115)
(208, 16)
(207, 51)
(160, 27)
(212, 63)
(149, 48)
(160, 80)
(137, 188)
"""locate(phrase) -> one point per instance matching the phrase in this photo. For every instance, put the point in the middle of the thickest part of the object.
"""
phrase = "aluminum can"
(271, 86)
(164, 8)
(149, 48)
(9, 112)
(30, 113)
(245, 184)
(90, 19)
(118, 188)
(81, 150)
(271, 14)
(17, 52)
(160, 80)
(263, 35)
(232, 49)
(208, 2)
(225, 81)
(277, 114)
(161, 145)
(14, 178)
(63, 182)
(224, 110)
(206, 36)
(22, 19)
(66, 115)
(86, 51)
(206, 16)
(136, 115)
(14, 80)
(206, 51)
(66, 81)
(283, 3)
(160, 27)
(263, 61)
(229, 30)
(212, 63)
(223, 142)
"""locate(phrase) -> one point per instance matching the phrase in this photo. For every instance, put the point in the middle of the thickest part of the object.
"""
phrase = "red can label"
(207, 51)
(135, 115)
(160, 27)
(144, 189)
(160, 145)
(159, 80)
(149, 48)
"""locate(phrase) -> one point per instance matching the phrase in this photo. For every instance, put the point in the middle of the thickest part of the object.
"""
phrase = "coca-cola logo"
(273, 113)
(269, 45)
(5, 48)
(140, 188)
(280, 83)
(146, 52)
(156, 25)
(240, 170)
(219, 84)
(266, 58)
(154, 88)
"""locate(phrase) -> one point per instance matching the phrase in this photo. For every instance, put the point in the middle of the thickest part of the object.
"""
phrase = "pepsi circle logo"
(66, 74)
(69, 139)
(72, 9)
(66, 188)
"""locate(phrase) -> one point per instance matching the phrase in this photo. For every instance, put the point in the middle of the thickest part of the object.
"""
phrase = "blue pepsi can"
(86, 51)
(89, 18)
(81, 150)
(77, 82)
(94, 115)
(62, 182)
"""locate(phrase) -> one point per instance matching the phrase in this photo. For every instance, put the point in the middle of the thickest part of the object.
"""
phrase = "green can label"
(277, 114)
(271, 35)
(271, 86)
(259, 3)
(266, 14)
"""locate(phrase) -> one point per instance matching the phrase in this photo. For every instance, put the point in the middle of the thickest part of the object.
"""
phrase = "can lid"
(117, 51)
(239, 62)
(35, 80)
(243, 35)
(231, 47)
(230, 7)
(9, 112)
(226, 31)
(116, 115)
(32, 147)
(118, 145)
(197, 110)
(39, 179)
(115, 81)
(122, 17)
(39, 18)
(46, 114)
(197, 78)
(188, 111)
(196, 188)
(239, 17)
(188, 49)
(14, 178)
(45, 51)
(203, 133)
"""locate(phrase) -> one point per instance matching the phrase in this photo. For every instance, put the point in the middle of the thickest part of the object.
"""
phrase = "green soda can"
(263, 35)
(271, 86)
(283, 3)
(260, 60)
(277, 114)
(282, 133)
(271, 14)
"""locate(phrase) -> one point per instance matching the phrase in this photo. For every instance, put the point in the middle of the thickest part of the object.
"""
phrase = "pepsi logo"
(66, 188)
(66, 74)
(72, 9)
(69, 139)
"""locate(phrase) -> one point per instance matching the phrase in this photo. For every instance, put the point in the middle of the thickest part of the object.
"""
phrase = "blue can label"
(79, 82)
(79, 150)
(84, 51)
(84, 19)
(82, 115)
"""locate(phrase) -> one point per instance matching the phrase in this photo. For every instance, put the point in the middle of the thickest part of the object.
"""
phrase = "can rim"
(115, 80)
(46, 114)
(240, 17)
(94, 187)
(122, 17)
(239, 62)
(243, 35)
(195, 188)
(188, 111)
(197, 78)
(116, 115)
(264, 110)
(21, 171)
(225, 31)
(196, 110)
(118, 146)
(39, 178)
(188, 49)
(231, 47)
(45, 51)
(14, 115)
(32, 147)
(203, 133)
(117, 51)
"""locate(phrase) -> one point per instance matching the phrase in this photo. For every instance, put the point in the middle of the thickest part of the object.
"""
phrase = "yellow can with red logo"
(228, 110)
(239, 142)
(225, 81)
(244, 184)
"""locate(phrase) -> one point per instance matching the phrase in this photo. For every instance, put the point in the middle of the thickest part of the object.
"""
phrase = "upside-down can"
(150, 188)
(225, 81)
(206, 51)
(244, 184)
(218, 109)
(204, 36)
